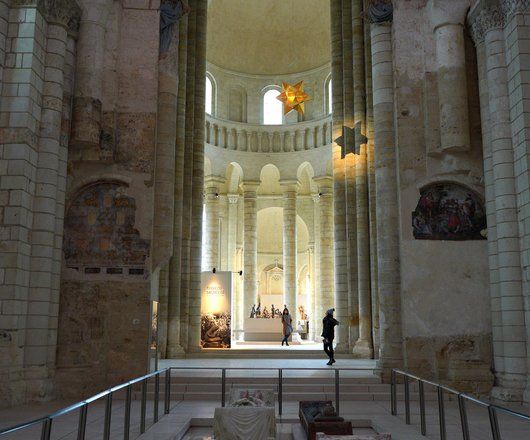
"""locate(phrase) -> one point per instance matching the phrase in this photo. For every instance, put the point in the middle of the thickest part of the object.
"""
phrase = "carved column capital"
(483, 20)
(379, 11)
(65, 13)
(233, 198)
(512, 7)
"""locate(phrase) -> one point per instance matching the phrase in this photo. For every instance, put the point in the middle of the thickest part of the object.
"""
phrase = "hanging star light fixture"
(293, 97)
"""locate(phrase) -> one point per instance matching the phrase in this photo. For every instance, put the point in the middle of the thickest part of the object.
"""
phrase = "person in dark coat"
(328, 333)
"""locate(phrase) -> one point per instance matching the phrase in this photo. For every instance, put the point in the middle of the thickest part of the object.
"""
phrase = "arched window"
(208, 96)
(330, 97)
(272, 108)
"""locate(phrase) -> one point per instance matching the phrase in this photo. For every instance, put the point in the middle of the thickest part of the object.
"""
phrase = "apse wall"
(239, 93)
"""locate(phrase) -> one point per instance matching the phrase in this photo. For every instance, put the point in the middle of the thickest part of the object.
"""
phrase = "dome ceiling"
(269, 37)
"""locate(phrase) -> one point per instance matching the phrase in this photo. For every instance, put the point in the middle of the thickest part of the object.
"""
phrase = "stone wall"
(105, 288)
(445, 304)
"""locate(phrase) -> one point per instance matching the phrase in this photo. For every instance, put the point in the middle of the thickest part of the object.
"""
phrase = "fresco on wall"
(99, 229)
(448, 211)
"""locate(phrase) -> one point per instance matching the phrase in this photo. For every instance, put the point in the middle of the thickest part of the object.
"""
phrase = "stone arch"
(270, 180)
(234, 177)
(210, 77)
(305, 174)
(328, 101)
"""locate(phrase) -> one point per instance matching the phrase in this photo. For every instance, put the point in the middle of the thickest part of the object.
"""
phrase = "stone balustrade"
(260, 138)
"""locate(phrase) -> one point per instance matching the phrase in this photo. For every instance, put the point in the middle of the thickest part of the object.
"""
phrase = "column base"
(363, 350)
(175, 351)
(342, 348)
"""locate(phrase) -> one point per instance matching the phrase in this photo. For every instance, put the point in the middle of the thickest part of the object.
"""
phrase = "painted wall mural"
(99, 230)
(448, 211)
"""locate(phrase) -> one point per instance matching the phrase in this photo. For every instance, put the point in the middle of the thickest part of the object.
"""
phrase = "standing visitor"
(287, 326)
(328, 333)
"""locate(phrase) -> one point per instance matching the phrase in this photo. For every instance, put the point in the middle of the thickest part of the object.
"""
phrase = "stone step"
(294, 396)
(271, 379)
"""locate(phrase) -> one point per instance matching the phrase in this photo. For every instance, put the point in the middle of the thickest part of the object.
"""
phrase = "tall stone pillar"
(390, 344)
(325, 298)
(250, 249)
(212, 187)
(233, 200)
(43, 299)
(312, 292)
(496, 318)
(517, 42)
(289, 189)
(200, 11)
(511, 381)
(364, 346)
(180, 248)
(339, 245)
(447, 17)
(87, 110)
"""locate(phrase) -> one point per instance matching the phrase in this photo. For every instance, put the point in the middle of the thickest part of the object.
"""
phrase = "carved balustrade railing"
(241, 136)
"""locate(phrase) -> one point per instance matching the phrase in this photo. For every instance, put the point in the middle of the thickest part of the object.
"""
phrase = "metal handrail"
(441, 389)
(47, 421)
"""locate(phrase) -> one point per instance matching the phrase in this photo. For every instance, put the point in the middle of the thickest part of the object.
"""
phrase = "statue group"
(267, 314)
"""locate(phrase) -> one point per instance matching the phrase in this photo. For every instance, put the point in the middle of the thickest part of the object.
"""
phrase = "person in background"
(287, 323)
(328, 334)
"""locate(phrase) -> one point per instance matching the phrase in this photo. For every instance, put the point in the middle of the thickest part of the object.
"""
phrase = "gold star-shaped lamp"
(293, 97)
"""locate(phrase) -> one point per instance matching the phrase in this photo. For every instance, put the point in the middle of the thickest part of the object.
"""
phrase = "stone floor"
(65, 428)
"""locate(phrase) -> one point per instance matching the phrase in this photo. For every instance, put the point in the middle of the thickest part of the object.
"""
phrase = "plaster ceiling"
(268, 37)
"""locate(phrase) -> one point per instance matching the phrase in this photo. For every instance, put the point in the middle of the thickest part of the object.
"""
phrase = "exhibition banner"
(216, 309)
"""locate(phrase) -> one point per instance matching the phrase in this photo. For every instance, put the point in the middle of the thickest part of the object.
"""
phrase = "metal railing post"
(337, 392)
(463, 417)
(157, 397)
(223, 387)
(494, 424)
(143, 407)
(108, 415)
(46, 429)
(422, 408)
(127, 419)
(167, 395)
(280, 391)
(441, 413)
(393, 394)
(407, 399)
(81, 426)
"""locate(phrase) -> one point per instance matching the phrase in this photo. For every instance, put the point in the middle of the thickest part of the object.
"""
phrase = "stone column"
(43, 299)
(87, 110)
(200, 11)
(311, 308)
(210, 258)
(517, 41)
(339, 191)
(387, 211)
(447, 17)
(250, 249)
(496, 318)
(512, 380)
(180, 247)
(315, 311)
(364, 345)
(233, 200)
(325, 298)
(289, 188)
